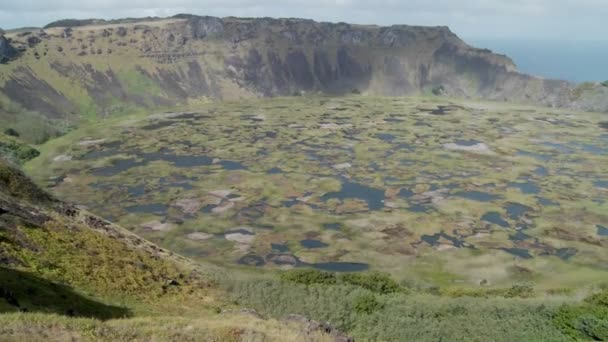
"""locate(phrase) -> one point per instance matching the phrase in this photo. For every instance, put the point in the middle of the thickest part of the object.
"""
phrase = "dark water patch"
(602, 231)
(374, 197)
(385, 137)
(518, 252)
(289, 203)
(252, 213)
(239, 231)
(515, 210)
(117, 167)
(595, 150)
(601, 184)
(566, 253)
(208, 209)
(232, 165)
(467, 142)
(478, 196)
(55, 181)
(419, 208)
(519, 236)
(440, 110)
(546, 202)
(136, 191)
(405, 146)
(178, 160)
(433, 240)
(541, 171)
(393, 119)
(310, 243)
(528, 188)
(254, 118)
(100, 186)
(111, 144)
(332, 226)
(186, 116)
(157, 125)
(279, 247)
(406, 193)
(341, 266)
(274, 171)
(252, 260)
(539, 156)
(99, 154)
(154, 208)
(495, 218)
(559, 147)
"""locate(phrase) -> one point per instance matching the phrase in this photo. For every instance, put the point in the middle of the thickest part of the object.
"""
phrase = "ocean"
(575, 61)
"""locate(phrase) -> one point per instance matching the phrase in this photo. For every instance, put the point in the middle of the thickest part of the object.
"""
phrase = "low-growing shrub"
(520, 291)
(12, 132)
(585, 321)
(374, 281)
(309, 277)
(366, 304)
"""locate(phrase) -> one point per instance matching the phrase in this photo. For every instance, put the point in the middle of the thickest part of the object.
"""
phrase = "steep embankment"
(104, 68)
(66, 274)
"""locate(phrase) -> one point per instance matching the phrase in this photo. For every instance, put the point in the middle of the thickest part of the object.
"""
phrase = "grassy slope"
(61, 279)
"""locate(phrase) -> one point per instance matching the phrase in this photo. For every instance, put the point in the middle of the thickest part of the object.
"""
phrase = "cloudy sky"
(535, 19)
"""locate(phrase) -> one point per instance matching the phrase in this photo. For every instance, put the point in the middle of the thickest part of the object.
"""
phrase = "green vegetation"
(11, 132)
(411, 316)
(587, 320)
(366, 304)
(71, 23)
(374, 281)
(13, 150)
(15, 184)
(378, 183)
(75, 281)
(605, 83)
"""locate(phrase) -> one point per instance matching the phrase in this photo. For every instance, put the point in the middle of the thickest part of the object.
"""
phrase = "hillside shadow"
(20, 291)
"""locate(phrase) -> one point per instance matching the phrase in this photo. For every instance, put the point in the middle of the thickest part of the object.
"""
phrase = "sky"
(471, 19)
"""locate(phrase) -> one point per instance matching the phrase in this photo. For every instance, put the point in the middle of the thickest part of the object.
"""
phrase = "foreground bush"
(586, 321)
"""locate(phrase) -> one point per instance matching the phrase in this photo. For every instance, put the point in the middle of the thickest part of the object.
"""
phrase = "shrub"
(366, 304)
(438, 90)
(309, 277)
(586, 321)
(18, 153)
(374, 281)
(520, 290)
(12, 132)
(605, 83)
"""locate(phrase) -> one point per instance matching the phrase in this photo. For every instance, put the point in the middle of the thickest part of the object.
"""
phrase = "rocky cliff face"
(7, 51)
(103, 69)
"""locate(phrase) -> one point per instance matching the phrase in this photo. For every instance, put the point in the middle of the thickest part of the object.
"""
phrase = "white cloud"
(541, 19)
